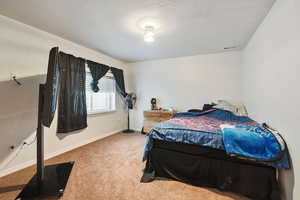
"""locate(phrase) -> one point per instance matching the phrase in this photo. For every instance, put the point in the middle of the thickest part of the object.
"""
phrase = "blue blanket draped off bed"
(248, 139)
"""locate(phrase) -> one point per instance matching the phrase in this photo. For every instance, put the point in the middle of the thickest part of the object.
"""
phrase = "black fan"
(130, 101)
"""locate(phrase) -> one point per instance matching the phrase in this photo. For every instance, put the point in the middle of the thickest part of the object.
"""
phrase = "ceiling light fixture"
(149, 34)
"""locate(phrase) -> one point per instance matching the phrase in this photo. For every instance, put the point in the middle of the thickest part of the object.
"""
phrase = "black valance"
(51, 88)
(97, 71)
(72, 113)
(119, 77)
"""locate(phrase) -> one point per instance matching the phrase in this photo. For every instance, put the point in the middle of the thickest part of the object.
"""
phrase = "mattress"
(203, 129)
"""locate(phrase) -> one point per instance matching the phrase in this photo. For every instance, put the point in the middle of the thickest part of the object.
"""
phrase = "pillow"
(241, 110)
(236, 109)
(225, 105)
(204, 108)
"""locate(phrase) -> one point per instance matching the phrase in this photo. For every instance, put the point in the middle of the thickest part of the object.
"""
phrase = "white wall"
(24, 51)
(270, 81)
(270, 77)
(184, 83)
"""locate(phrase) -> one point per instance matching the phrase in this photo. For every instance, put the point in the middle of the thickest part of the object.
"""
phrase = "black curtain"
(119, 77)
(72, 114)
(97, 71)
(51, 88)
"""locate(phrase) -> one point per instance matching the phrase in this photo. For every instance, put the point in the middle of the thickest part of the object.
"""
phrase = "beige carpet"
(110, 169)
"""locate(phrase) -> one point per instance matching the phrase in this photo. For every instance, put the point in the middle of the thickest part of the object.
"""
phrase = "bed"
(190, 148)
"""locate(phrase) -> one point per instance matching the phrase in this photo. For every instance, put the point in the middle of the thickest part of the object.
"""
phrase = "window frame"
(108, 75)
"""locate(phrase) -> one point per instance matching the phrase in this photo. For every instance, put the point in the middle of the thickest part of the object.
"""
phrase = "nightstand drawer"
(161, 114)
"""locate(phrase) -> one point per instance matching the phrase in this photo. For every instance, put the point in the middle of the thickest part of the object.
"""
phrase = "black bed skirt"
(207, 167)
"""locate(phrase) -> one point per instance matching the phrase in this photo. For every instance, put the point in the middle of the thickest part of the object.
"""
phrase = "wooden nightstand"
(153, 117)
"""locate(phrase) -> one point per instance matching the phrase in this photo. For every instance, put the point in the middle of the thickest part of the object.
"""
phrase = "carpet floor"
(110, 169)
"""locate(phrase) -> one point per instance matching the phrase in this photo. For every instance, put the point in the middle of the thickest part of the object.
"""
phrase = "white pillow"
(237, 109)
(241, 110)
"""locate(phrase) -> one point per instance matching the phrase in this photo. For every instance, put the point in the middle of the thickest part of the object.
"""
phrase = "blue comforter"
(203, 129)
(254, 142)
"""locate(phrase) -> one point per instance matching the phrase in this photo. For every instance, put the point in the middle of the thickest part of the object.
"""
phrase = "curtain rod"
(85, 59)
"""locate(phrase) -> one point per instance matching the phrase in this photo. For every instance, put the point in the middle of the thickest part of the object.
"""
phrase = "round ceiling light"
(149, 34)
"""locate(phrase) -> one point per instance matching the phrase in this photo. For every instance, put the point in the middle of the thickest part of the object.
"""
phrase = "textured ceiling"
(186, 27)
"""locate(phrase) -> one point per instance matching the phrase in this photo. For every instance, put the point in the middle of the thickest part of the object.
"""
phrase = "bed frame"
(207, 167)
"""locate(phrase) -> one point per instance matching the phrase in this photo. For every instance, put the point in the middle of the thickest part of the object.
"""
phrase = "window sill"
(100, 112)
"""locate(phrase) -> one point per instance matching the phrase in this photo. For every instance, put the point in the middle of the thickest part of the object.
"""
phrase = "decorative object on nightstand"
(153, 117)
(153, 104)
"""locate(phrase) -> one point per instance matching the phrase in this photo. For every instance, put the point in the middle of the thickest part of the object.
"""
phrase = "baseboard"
(56, 153)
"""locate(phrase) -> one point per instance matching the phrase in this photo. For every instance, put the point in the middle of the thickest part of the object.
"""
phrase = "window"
(105, 99)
